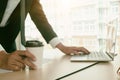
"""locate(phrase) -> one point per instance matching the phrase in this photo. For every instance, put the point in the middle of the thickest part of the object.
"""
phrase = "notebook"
(101, 55)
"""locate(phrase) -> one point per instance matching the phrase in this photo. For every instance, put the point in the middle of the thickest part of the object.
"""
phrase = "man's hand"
(72, 50)
(16, 60)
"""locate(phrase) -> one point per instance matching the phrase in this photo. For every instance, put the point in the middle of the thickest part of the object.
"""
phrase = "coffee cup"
(36, 48)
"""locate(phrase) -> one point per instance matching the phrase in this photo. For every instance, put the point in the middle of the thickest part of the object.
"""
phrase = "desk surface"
(56, 64)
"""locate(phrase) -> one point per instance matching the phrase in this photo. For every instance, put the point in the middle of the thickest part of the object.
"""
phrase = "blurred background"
(79, 22)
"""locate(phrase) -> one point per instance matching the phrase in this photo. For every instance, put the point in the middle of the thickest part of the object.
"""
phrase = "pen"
(78, 70)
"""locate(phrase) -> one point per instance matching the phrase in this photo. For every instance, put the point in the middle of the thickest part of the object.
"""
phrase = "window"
(86, 19)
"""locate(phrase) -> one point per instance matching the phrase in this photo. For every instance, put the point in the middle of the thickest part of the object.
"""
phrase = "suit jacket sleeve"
(40, 20)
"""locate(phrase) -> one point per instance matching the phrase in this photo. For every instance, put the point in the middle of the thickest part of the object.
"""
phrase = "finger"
(82, 49)
(71, 54)
(20, 65)
(28, 62)
(81, 53)
(16, 63)
(76, 53)
(27, 54)
(18, 58)
(14, 68)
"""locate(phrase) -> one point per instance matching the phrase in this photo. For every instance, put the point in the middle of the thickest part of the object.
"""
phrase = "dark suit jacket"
(9, 33)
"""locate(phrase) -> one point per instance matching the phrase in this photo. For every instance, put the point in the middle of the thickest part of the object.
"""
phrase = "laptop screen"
(111, 39)
(108, 42)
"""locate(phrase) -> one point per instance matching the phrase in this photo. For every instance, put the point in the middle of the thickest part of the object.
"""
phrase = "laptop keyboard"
(97, 55)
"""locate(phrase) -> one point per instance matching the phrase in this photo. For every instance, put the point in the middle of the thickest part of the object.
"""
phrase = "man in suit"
(10, 21)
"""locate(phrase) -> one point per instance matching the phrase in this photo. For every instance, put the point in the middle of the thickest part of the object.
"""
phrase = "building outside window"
(78, 22)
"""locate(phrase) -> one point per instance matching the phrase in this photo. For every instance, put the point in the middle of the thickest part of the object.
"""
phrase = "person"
(13, 59)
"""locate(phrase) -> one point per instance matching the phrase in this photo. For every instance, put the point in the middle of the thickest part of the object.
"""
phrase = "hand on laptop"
(70, 50)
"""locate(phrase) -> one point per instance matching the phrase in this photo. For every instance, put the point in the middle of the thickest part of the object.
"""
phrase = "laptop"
(101, 55)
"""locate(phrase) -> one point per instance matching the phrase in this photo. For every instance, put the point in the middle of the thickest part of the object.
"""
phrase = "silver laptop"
(101, 55)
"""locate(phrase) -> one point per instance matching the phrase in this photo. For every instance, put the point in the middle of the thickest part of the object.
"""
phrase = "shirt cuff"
(54, 42)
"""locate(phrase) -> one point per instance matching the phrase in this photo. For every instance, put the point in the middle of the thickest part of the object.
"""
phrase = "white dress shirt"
(11, 5)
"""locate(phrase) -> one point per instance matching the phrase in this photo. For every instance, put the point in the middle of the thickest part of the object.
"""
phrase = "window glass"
(78, 22)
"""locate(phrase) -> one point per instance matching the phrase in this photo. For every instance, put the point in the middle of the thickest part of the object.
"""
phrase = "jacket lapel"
(3, 4)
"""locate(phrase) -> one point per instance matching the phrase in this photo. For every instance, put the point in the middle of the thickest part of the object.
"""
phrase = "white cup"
(36, 48)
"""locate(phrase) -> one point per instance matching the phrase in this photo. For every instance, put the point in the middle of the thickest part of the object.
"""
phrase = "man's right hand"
(16, 60)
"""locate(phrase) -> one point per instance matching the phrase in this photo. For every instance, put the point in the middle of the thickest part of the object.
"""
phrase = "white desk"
(58, 64)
